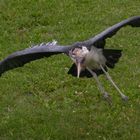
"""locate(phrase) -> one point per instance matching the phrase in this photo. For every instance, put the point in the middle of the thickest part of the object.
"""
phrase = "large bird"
(88, 56)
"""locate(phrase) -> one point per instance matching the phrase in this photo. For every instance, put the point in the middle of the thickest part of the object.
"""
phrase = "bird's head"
(78, 56)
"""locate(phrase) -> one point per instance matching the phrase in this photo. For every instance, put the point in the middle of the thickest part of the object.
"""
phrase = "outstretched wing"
(99, 40)
(19, 58)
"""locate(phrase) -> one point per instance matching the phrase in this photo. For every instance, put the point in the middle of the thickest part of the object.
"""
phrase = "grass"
(40, 100)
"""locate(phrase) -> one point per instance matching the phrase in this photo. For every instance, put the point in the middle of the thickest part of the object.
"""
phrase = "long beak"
(78, 69)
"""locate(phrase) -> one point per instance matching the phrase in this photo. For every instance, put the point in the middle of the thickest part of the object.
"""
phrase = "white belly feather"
(95, 58)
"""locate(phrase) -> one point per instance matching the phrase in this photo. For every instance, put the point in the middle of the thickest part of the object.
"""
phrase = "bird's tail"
(112, 56)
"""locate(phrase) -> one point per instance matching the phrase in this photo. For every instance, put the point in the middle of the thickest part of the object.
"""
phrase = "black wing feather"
(19, 58)
(99, 39)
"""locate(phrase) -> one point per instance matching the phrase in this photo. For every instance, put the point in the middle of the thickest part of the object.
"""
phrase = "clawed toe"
(107, 97)
(125, 98)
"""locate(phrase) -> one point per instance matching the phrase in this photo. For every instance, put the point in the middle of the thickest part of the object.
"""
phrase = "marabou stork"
(88, 55)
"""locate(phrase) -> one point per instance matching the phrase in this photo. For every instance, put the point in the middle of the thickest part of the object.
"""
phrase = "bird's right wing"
(19, 58)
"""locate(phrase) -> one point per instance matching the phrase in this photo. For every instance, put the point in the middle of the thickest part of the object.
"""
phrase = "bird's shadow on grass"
(85, 73)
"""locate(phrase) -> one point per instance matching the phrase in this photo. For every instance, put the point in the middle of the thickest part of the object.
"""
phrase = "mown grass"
(40, 100)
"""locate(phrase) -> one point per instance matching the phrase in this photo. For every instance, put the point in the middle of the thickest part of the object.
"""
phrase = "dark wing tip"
(135, 21)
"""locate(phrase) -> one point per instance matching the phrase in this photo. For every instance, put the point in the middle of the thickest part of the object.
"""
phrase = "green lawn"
(40, 100)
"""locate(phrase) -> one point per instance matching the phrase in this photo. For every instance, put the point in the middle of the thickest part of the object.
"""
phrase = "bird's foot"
(124, 98)
(107, 97)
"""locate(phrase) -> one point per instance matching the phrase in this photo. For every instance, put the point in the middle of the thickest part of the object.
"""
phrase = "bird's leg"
(124, 97)
(101, 88)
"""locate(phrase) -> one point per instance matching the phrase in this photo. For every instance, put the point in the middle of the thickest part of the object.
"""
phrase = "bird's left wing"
(99, 39)
(19, 58)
